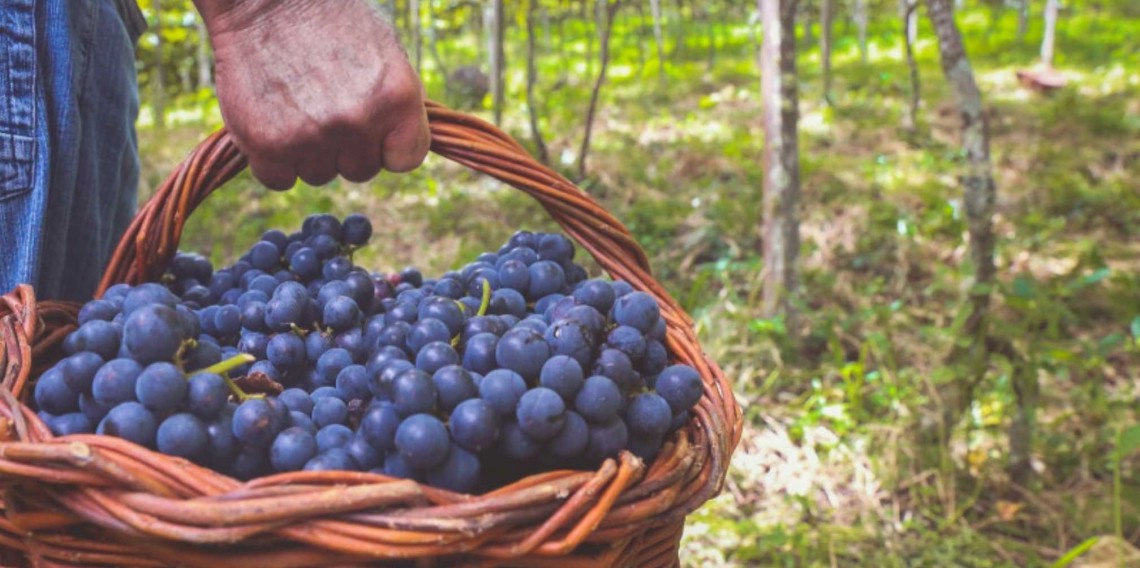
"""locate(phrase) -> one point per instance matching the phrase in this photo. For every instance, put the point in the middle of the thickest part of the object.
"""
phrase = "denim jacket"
(68, 150)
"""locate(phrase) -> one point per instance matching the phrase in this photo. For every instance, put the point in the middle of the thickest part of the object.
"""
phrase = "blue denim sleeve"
(79, 104)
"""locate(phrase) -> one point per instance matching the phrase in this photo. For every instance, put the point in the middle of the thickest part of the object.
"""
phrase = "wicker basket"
(101, 501)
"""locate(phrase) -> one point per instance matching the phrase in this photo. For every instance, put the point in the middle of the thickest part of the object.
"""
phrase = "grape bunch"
(516, 363)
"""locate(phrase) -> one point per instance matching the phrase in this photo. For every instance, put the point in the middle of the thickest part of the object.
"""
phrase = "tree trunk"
(805, 14)
(971, 355)
(531, 77)
(909, 12)
(1050, 33)
(205, 70)
(780, 231)
(1022, 19)
(158, 105)
(655, 8)
(496, 27)
(417, 37)
(826, 7)
(593, 108)
(861, 27)
(711, 35)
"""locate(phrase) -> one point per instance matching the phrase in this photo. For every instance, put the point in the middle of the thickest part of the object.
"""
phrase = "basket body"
(87, 500)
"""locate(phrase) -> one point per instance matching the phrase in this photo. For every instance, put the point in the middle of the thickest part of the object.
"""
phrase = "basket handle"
(152, 237)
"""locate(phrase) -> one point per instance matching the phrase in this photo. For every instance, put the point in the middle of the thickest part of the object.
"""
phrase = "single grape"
(254, 422)
(606, 439)
(53, 395)
(104, 310)
(571, 338)
(544, 303)
(541, 413)
(597, 294)
(655, 359)
(507, 301)
(599, 399)
(570, 442)
(459, 472)
(329, 410)
(292, 449)
(479, 353)
(161, 388)
(97, 336)
(70, 423)
(265, 256)
(638, 310)
(153, 333)
(516, 445)
(362, 453)
(331, 363)
(427, 331)
(648, 415)
(616, 365)
(523, 351)
(446, 311)
(627, 340)
(130, 421)
(563, 375)
(114, 383)
(413, 392)
(183, 435)
(333, 436)
(356, 229)
(341, 313)
(379, 424)
(423, 441)
(474, 425)
(453, 385)
(644, 447)
(680, 386)
(546, 277)
(502, 389)
(396, 466)
(435, 356)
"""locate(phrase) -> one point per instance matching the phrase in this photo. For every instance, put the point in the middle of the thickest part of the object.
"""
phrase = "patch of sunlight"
(815, 122)
(620, 71)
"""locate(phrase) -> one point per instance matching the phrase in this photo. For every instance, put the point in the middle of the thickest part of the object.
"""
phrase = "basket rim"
(133, 492)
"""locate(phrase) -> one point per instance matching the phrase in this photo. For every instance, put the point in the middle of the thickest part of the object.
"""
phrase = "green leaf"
(1136, 328)
(1075, 552)
(1129, 441)
(1024, 287)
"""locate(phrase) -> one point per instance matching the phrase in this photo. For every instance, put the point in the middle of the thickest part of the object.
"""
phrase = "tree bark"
(158, 105)
(1022, 19)
(973, 354)
(909, 12)
(531, 78)
(593, 108)
(826, 7)
(808, 27)
(205, 69)
(861, 27)
(1050, 33)
(655, 8)
(780, 231)
(496, 27)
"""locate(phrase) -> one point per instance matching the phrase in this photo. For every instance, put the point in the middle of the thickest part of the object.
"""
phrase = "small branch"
(592, 110)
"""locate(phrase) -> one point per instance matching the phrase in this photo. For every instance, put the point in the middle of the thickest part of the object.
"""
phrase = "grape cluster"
(517, 362)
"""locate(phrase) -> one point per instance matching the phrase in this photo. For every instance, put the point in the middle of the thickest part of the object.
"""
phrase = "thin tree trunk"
(546, 42)
(780, 231)
(679, 29)
(1022, 19)
(417, 37)
(805, 14)
(973, 353)
(593, 108)
(159, 103)
(861, 27)
(909, 13)
(205, 72)
(655, 8)
(826, 8)
(498, 59)
(1050, 33)
(531, 77)
(710, 34)
(433, 49)
(640, 37)
(590, 38)
(1027, 391)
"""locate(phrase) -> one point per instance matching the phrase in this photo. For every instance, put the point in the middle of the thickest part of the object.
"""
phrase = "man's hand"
(312, 89)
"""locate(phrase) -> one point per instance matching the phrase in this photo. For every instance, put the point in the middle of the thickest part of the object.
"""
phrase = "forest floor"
(825, 474)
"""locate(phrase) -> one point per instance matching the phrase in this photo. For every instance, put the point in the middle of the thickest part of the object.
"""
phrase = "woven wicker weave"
(93, 500)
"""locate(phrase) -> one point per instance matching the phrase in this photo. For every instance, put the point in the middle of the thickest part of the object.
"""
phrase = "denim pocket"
(17, 160)
(17, 97)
